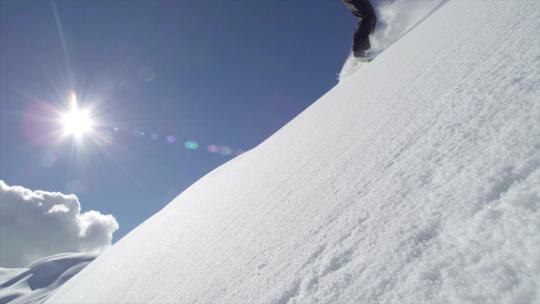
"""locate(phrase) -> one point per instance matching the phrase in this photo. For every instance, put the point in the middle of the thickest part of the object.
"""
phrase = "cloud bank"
(37, 224)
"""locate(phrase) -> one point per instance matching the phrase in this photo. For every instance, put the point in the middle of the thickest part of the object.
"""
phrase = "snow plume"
(394, 19)
(36, 224)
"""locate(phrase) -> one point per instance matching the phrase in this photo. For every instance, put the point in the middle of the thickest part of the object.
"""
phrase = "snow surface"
(37, 281)
(416, 180)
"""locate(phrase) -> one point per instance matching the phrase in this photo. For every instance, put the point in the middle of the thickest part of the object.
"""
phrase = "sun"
(76, 122)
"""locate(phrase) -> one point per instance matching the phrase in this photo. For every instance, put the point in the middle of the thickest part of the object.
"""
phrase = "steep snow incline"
(415, 180)
(37, 281)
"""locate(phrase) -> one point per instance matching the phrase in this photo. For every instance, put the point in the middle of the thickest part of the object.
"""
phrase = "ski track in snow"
(416, 180)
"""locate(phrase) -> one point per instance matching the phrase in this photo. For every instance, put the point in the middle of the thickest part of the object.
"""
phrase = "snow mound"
(416, 180)
(37, 281)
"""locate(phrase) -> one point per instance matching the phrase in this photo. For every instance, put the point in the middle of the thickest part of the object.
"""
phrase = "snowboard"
(353, 64)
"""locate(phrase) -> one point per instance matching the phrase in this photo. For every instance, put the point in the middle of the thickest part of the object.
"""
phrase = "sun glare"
(76, 122)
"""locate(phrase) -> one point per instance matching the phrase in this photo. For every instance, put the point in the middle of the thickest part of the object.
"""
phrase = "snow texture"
(416, 180)
(37, 281)
(37, 224)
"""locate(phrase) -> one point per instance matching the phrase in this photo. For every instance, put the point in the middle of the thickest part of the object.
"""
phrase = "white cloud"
(58, 208)
(37, 224)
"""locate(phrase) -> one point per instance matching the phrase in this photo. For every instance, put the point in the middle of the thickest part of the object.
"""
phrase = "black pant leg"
(361, 37)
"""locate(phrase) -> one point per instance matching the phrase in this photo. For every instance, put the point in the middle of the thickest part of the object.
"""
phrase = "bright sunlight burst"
(76, 122)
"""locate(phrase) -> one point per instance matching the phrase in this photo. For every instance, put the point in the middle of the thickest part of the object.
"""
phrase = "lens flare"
(191, 145)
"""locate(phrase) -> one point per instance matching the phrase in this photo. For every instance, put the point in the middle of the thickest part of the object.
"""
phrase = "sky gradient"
(224, 74)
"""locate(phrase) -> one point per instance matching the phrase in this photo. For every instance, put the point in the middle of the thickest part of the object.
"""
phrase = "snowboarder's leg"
(366, 24)
(361, 38)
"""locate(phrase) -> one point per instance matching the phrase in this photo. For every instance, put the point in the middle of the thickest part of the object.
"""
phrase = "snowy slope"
(36, 282)
(416, 180)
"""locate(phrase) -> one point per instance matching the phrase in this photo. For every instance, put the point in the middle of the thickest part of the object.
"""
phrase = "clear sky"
(224, 75)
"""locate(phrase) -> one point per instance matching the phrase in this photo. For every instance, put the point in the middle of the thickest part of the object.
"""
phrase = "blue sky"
(223, 73)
